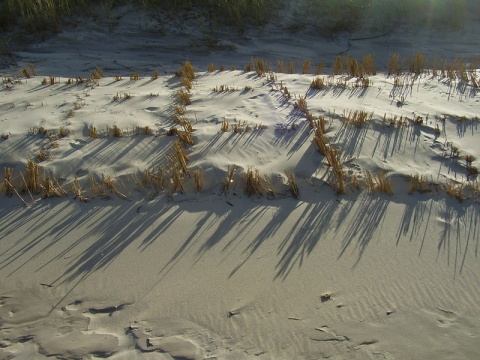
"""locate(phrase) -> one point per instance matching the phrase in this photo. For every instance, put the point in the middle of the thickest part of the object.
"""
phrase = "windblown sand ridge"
(145, 242)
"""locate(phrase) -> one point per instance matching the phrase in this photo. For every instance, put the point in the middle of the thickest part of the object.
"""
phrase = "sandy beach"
(240, 212)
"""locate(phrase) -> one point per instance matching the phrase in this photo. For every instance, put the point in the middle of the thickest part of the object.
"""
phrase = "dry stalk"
(253, 182)
(419, 183)
(292, 184)
(384, 185)
(369, 182)
(224, 125)
(229, 178)
(7, 186)
(16, 192)
(32, 184)
(107, 180)
(301, 104)
(198, 180)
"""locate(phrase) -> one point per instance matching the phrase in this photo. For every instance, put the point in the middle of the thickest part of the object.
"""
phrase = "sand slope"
(217, 274)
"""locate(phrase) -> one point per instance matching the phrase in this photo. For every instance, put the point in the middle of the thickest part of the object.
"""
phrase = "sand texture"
(119, 256)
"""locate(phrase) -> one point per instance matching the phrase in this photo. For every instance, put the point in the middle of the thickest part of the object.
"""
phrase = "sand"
(217, 274)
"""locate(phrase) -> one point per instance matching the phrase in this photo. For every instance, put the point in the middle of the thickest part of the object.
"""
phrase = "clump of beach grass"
(292, 184)
(228, 181)
(419, 183)
(253, 182)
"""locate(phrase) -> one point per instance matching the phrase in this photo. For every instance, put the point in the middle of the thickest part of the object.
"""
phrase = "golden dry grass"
(394, 64)
(384, 184)
(419, 183)
(319, 68)
(224, 125)
(7, 185)
(184, 97)
(306, 67)
(154, 75)
(317, 83)
(455, 190)
(97, 73)
(188, 71)
(369, 65)
(358, 118)
(338, 66)
(116, 131)
(110, 185)
(292, 184)
(29, 71)
(92, 132)
(253, 182)
(32, 181)
(301, 104)
(198, 180)
(228, 181)
(52, 188)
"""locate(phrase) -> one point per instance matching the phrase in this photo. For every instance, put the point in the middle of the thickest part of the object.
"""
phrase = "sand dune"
(133, 262)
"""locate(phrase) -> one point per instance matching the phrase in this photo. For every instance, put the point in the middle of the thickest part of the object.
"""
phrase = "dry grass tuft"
(384, 185)
(301, 104)
(317, 83)
(358, 118)
(393, 64)
(117, 78)
(116, 131)
(253, 182)
(292, 184)
(417, 64)
(369, 180)
(228, 181)
(188, 71)
(455, 190)
(98, 188)
(321, 142)
(187, 82)
(93, 133)
(179, 154)
(8, 179)
(49, 189)
(380, 182)
(42, 155)
(135, 76)
(198, 180)
(338, 66)
(153, 179)
(369, 66)
(224, 125)
(353, 68)
(154, 75)
(306, 67)
(110, 185)
(261, 66)
(184, 97)
(419, 183)
(63, 132)
(97, 73)
(32, 183)
(29, 71)
(211, 67)
(185, 138)
(319, 68)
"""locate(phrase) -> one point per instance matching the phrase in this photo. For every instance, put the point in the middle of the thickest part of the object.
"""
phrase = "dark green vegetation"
(328, 16)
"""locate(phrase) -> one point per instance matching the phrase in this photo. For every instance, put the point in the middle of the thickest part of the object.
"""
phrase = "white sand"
(227, 276)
